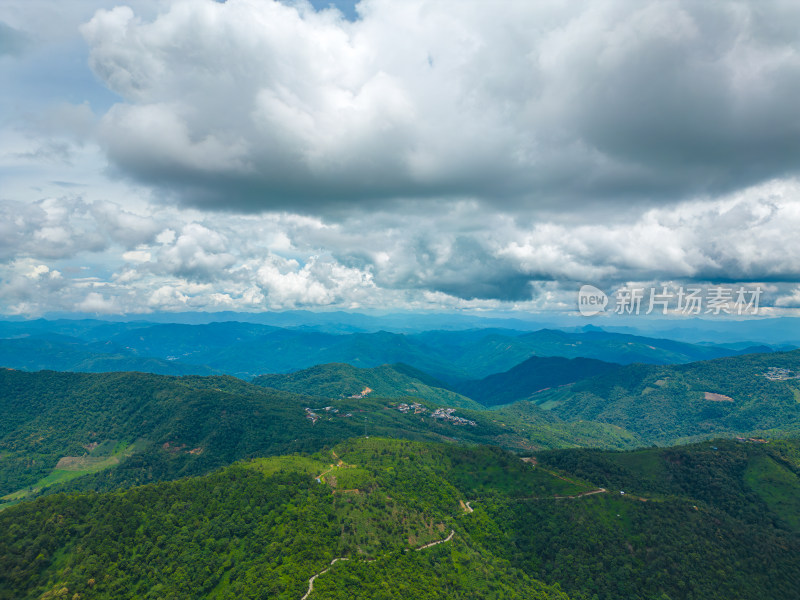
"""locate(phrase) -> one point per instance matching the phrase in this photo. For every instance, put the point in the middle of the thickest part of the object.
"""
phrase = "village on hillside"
(780, 374)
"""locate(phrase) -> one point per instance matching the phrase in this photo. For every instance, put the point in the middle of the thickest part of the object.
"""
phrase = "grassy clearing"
(777, 486)
(350, 478)
(329, 468)
(550, 398)
(286, 464)
(72, 467)
(796, 393)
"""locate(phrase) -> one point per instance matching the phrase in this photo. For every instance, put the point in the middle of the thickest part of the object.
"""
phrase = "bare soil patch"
(712, 397)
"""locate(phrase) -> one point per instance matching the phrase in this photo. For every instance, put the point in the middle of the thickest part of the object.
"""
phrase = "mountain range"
(132, 427)
(247, 350)
(377, 464)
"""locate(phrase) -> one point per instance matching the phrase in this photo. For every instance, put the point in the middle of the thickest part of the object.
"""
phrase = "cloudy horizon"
(256, 155)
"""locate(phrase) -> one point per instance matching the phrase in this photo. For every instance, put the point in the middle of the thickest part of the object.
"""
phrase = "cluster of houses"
(780, 374)
(446, 414)
(414, 406)
(752, 440)
(312, 414)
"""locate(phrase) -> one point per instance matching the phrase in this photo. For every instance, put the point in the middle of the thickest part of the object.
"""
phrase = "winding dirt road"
(447, 539)
(572, 497)
(311, 580)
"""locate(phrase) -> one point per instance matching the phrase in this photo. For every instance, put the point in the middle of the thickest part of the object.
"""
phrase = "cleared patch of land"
(84, 463)
(71, 467)
(712, 397)
(777, 486)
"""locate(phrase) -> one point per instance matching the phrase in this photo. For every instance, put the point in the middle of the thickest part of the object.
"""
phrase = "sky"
(255, 155)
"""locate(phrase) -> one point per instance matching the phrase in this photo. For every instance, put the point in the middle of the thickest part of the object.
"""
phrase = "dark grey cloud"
(709, 116)
(253, 107)
(461, 266)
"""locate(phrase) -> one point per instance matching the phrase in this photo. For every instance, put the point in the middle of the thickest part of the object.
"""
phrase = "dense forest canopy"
(421, 520)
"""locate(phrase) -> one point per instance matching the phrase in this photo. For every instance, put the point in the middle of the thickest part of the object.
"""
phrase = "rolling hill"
(666, 404)
(533, 375)
(480, 354)
(716, 474)
(387, 381)
(391, 519)
(102, 431)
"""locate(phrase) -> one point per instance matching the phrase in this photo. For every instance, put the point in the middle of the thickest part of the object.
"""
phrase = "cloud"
(97, 303)
(789, 300)
(255, 106)
(26, 287)
(170, 259)
(12, 41)
(125, 227)
(418, 156)
(48, 229)
(198, 253)
(49, 151)
(65, 227)
(73, 121)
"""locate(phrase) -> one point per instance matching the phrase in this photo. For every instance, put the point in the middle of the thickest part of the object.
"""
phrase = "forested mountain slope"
(390, 519)
(664, 404)
(339, 380)
(533, 375)
(102, 431)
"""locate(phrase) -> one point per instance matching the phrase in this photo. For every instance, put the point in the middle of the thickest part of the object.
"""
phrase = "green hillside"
(689, 525)
(103, 431)
(716, 474)
(533, 375)
(528, 427)
(666, 404)
(264, 528)
(386, 381)
(391, 519)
